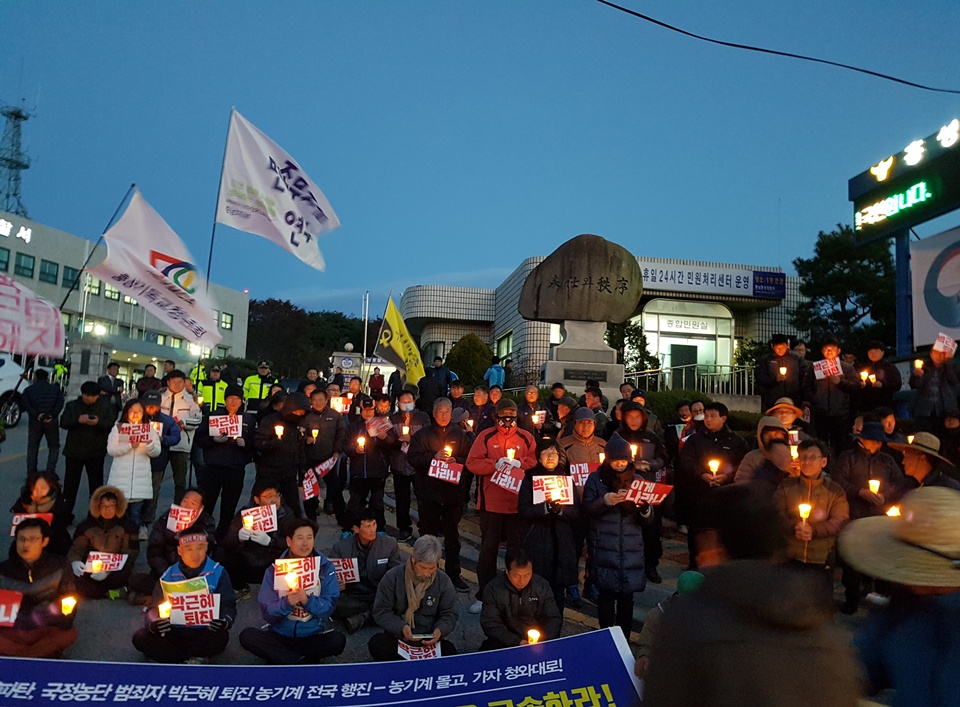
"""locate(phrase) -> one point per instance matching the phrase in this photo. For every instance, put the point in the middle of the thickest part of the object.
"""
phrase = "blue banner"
(772, 285)
(588, 670)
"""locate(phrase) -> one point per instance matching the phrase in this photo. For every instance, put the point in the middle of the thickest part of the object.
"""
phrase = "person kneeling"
(164, 638)
(415, 604)
(297, 618)
(515, 603)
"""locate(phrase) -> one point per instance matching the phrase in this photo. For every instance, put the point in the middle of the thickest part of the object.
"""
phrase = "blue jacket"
(276, 610)
(494, 376)
(217, 580)
(615, 537)
(169, 437)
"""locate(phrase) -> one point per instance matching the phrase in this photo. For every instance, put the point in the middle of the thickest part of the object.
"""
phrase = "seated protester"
(104, 530)
(163, 547)
(533, 416)
(550, 538)
(41, 494)
(163, 642)
(768, 429)
(375, 554)
(515, 602)
(810, 542)
(297, 620)
(415, 604)
(924, 464)
(41, 629)
(248, 553)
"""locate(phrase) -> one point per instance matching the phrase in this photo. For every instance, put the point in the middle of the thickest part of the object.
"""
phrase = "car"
(11, 406)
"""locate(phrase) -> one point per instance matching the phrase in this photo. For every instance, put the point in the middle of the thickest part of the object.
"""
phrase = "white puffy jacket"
(181, 406)
(130, 468)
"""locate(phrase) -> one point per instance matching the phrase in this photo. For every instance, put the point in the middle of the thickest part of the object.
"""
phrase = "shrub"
(469, 359)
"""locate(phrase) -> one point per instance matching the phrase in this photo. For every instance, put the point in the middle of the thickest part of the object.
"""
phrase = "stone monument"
(583, 285)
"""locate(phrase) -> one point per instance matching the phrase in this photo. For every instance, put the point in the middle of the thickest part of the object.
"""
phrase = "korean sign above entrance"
(709, 279)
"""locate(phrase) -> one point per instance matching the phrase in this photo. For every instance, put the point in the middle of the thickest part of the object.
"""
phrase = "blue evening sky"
(455, 138)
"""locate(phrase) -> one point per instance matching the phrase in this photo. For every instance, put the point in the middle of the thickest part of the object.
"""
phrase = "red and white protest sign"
(946, 344)
(292, 573)
(194, 609)
(340, 404)
(826, 367)
(580, 472)
(508, 477)
(9, 607)
(378, 425)
(348, 569)
(135, 433)
(324, 468)
(408, 652)
(28, 323)
(108, 562)
(181, 518)
(648, 492)
(555, 489)
(261, 518)
(311, 486)
(18, 518)
(445, 471)
(226, 425)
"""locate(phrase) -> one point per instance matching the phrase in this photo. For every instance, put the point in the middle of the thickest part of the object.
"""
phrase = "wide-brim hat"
(785, 404)
(921, 547)
(924, 442)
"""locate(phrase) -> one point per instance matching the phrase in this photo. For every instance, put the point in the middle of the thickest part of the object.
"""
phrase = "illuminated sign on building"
(919, 183)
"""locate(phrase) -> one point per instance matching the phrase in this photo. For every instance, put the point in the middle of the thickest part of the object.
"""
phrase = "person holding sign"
(297, 615)
(374, 555)
(281, 447)
(504, 452)
(369, 442)
(533, 416)
(441, 447)
(226, 439)
(325, 437)
(169, 432)
(937, 382)
(130, 468)
(406, 423)
(201, 633)
(415, 604)
(550, 515)
(829, 388)
(42, 628)
(41, 494)
(616, 536)
(104, 531)
(516, 602)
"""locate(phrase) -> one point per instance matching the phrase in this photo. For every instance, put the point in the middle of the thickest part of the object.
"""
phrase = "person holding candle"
(326, 437)
(169, 432)
(104, 530)
(182, 406)
(516, 601)
(282, 458)
(42, 629)
(533, 416)
(130, 469)
(163, 642)
(882, 379)
(369, 447)
(778, 373)
(831, 398)
(406, 423)
(937, 383)
(769, 430)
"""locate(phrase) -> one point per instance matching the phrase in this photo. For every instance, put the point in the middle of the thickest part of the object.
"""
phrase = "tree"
(850, 290)
(631, 346)
(749, 352)
(469, 359)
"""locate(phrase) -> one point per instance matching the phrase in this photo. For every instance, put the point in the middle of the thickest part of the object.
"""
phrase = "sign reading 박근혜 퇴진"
(553, 672)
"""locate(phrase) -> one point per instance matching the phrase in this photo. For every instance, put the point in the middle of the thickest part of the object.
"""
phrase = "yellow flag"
(397, 346)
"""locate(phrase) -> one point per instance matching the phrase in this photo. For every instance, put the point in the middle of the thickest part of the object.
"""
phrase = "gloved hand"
(218, 625)
(99, 576)
(260, 536)
(77, 567)
(553, 508)
(241, 442)
(503, 464)
(161, 627)
(244, 534)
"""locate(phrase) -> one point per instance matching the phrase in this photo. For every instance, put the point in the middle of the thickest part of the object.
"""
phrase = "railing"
(708, 379)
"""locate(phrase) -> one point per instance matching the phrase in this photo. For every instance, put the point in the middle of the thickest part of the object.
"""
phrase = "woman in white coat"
(130, 468)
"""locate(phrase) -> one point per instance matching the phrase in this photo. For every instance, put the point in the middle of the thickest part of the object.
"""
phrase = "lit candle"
(874, 485)
(873, 378)
(602, 457)
(533, 636)
(894, 512)
(156, 426)
(248, 522)
(361, 442)
(714, 465)
(96, 566)
(448, 450)
(511, 453)
(470, 424)
(909, 439)
(918, 364)
(864, 375)
(279, 430)
(805, 509)
(199, 400)
(794, 453)
(404, 430)
(67, 605)
(291, 579)
(633, 451)
(163, 610)
(783, 370)
(349, 396)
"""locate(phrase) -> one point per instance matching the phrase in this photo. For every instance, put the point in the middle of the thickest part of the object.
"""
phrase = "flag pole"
(366, 318)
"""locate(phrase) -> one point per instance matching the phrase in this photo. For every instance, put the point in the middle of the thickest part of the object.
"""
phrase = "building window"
(161, 340)
(127, 299)
(69, 276)
(505, 345)
(111, 292)
(4, 259)
(93, 286)
(176, 342)
(49, 271)
(25, 265)
(226, 320)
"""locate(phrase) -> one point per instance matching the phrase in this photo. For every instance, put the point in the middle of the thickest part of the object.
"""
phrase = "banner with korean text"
(550, 673)
(29, 324)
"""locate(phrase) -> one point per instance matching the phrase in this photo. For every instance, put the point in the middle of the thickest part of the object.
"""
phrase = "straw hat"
(785, 403)
(920, 548)
(924, 442)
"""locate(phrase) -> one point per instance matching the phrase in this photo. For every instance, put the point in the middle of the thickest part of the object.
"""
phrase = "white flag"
(147, 261)
(265, 192)
(28, 324)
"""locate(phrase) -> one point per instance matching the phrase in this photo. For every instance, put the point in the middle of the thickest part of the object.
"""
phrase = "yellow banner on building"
(397, 346)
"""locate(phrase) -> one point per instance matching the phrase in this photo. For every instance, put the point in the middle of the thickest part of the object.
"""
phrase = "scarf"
(416, 588)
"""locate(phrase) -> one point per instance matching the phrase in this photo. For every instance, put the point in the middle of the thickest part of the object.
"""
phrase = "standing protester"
(882, 381)
(149, 380)
(168, 367)
(557, 393)
(213, 390)
(281, 447)
(406, 423)
(495, 374)
(778, 373)
(830, 398)
(169, 432)
(87, 420)
(394, 386)
(376, 382)
(369, 447)
(936, 381)
(111, 386)
(325, 437)
(533, 416)
(42, 402)
(181, 406)
(256, 387)
(130, 469)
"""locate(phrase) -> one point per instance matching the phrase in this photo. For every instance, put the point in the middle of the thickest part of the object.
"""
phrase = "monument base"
(583, 356)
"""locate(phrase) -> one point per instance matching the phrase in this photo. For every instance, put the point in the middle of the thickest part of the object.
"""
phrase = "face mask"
(506, 422)
(698, 418)
(406, 407)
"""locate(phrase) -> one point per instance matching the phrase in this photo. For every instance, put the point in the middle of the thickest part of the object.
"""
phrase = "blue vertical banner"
(587, 670)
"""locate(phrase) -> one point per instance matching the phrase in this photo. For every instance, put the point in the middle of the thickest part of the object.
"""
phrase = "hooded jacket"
(755, 633)
(117, 535)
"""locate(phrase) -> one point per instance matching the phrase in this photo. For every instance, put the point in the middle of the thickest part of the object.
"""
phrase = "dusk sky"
(455, 139)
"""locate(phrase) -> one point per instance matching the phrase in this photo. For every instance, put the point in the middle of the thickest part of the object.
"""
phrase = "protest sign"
(108, 562)
(226, 425)
(305, 573)
(340, 403)
(945, 344)
(378, 425)
(445, 471)
(556, 489)
(194, 608)
(580, 472)
(648, 492)
(826, 367)
(135, 433)
(261, 518)
(324, 468)
(311, 485)
(508, 477)
(180, 518)
(9, 607)
(18, 518)
(196, 585)
(348, 569)
(410, 652)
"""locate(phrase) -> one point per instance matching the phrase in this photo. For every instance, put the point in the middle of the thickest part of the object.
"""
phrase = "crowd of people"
(564, 482)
